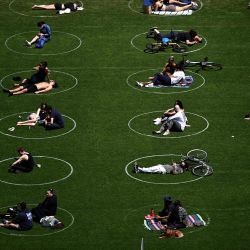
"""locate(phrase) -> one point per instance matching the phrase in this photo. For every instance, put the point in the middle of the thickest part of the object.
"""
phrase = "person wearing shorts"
(160, 6)
(73, 6)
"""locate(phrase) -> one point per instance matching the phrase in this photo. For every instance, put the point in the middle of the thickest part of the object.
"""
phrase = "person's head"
(54, 84)
(171, 59)
(43, 64)
(43, 106)
(193, 33)
(40, 24)
(50, 192)
(20, 150)
(23, 206)
(184, 165)
(179, 103)
(49, 110)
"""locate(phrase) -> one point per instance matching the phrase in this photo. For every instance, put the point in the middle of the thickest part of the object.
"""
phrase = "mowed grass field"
(102, 207)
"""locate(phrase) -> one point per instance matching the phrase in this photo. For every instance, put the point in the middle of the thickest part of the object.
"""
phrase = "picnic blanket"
(193, 220)
(186, 83)
(173, 13)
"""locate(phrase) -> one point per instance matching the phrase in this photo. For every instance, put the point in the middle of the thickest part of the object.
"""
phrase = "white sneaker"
(166, 132)
(67, 11)
(139, 84)
(157, 132)
(28, 43)
(80, 8)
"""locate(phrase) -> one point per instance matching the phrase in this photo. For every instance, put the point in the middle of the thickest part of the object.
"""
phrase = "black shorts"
(58, 6)
(31, 88)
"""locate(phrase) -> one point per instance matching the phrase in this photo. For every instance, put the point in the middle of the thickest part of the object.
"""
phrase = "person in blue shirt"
(54, 119)
(43, 36)
(22, 221)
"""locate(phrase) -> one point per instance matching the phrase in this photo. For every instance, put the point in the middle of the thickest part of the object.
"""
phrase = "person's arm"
(20, 159)
(38, 112)
(44, 90)
(174, 167)
(176, 2)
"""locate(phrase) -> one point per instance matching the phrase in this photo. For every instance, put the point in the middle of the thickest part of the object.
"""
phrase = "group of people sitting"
(170, 75)
(173, 119)
(38, 83)
(45, 116)
(21, 218)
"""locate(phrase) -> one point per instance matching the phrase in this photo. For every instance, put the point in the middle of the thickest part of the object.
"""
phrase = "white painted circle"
(158, 183)
(163, 93)
(23, 14)
(44, 183)
(51, 93)
(37, 138)
(39, 235)
(136, 11)
(167, 137)
(44, 54)
(171, 52)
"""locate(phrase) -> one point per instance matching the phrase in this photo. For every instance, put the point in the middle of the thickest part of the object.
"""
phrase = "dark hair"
(51, 190)
(40, 24)
(49, 109)
(43, 106)
(177, 203)
(20, 149)
(192, 33)
(178, 102)
(23, 205)
(43, 64)
(55, 85)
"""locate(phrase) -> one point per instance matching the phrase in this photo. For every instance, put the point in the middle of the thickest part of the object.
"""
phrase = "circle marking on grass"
(157, 183)
(136, 11)
(44, 183)
(43, 54)
(163, 93)
(51, 93)
(167, 137)
(172, 53)
(45, 234)
(37, 138)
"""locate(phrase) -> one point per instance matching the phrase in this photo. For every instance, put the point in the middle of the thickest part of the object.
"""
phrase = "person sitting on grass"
(38, 88)
(35, 118)
(22, 221)
(24, 164)
(176, 122)
(42, 37)
(53, 120)
(40, 75)
(174, 168)
(60, 7)
(165, 78)
(46, 208)
(161, 5)
(190, 38)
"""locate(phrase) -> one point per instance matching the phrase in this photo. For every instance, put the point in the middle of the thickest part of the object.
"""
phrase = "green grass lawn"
(97, 90)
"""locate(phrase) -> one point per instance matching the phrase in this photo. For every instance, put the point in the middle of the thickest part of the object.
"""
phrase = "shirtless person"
(37, 88)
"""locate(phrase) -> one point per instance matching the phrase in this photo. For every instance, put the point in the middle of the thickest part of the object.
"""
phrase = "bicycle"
(203, 65)
(197, 161)
(163, 44)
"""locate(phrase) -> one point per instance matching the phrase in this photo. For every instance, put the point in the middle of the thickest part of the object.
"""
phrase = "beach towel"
(173, 13)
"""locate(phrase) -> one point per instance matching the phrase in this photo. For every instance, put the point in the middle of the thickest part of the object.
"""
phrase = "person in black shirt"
(22, 221)
(47, 208)
(54, 119)
(24, 163)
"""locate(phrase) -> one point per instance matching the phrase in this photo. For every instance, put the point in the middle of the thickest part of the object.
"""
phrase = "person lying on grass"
(22, 221)
(37, 88)
(174, 168)
(171, 5)
(173, 120)
(60, 7)
(165, 78)
(35, 118)
(40, 75)
(24, 164)
(190, 37)
(42, 37)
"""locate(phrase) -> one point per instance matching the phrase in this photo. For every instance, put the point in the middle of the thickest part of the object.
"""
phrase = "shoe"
(167, 132)
(28, 43)
(135, 168)
(153, 28)
(139, 84)
(6, 91)
(10, 94)
(156, 132)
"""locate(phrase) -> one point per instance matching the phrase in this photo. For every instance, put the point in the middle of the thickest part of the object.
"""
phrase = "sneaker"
(28, 43)
(153, 28)
(167, 132)
(135, 168)
(139, 84)
(6, 91)
(156, 132)
(67, 11)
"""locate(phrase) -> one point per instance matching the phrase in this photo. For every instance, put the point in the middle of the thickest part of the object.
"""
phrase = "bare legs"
(44, 7)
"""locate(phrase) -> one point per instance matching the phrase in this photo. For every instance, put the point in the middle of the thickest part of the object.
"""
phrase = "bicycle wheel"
(202, 170)
(197, 153)
(212, 66)
(152, 48)
(179, 48)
